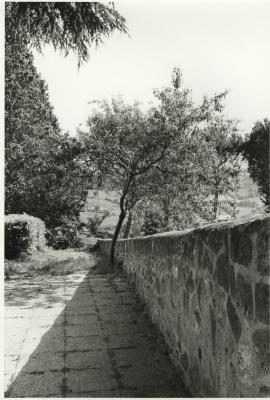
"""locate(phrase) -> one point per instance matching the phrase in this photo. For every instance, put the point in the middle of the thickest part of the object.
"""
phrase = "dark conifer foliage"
(256, 150)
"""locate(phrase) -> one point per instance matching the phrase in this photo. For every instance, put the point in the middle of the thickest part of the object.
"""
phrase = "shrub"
(65, 235)
(16, 239)
(23, 234)
(94, 222)
(153, 222)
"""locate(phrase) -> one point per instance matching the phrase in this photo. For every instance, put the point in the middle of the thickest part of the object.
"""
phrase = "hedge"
(23, 234)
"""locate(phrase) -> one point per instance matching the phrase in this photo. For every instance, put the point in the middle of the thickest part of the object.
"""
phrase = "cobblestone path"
(82, 335)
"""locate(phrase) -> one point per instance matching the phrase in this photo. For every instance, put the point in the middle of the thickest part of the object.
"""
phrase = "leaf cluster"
(68, 26)
(42, 176)
(256, 151)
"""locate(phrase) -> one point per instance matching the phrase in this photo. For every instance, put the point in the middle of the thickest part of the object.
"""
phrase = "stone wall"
(208, 291)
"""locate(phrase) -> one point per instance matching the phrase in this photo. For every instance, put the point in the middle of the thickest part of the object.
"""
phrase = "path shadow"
(27, 290)
(93, 349)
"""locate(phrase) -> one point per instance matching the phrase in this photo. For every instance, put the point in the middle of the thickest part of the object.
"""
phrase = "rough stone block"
(234, 320)
(245, 364)
(186, 303)
(190, 286)
(262, 294)
(265, 391)
(241, 247)
(184, 361)
(213, 330)
(263, 253)
(221, 272)
(216, 239)
(195, 377)
(261, 340)
(206, 262)
(244, 296)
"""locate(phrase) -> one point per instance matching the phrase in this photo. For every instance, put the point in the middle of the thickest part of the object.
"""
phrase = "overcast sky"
(217, 44)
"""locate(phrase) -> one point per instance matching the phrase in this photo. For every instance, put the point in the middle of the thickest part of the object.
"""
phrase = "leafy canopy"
(256, 151)
(41, 177)
(140, 153)
(68, 26)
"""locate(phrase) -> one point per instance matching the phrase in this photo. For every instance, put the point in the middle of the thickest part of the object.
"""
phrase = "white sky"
(217, 44)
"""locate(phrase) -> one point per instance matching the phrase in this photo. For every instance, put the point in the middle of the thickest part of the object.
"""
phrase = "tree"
(130, 146)
(256, 151)
(43, 176)
(186, 175)
(125, 144)
(68, 26)
(40, 174)
(224, 164)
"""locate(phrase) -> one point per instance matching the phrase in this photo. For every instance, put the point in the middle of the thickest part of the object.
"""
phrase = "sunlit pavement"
(82, 335)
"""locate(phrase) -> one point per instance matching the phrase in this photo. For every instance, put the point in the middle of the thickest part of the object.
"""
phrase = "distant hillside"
(247, 199)
(98, 202)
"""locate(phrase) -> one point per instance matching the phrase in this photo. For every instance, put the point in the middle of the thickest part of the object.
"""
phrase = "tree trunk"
(121, 218)
(129, 224)
(166, 210)
(215, 207)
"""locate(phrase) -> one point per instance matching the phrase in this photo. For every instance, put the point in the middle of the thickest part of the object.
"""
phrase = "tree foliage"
(224, 164)
(68, 26)
(202, 164)
(152, 155)
(256, 150)
(40, 174)
(43, 177)
(124, 144)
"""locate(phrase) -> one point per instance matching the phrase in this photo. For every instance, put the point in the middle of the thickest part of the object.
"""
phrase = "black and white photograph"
(136, 199)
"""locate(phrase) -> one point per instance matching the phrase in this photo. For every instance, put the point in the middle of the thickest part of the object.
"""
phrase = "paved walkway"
(82, 335)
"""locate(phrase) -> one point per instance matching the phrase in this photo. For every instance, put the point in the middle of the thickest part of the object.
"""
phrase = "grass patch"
(50, 262)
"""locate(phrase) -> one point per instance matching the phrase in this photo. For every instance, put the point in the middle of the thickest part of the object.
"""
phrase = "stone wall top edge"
(207, 228)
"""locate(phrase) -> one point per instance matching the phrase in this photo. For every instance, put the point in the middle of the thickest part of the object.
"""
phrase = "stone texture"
(263, 253)
(261, 340)
(208, 295)
(234, 320)
(245, 364)
(262, 306)
(244, 296)
(241, 247)
(221, 271)
(190, 286)
(184, 361)
(216, 239)
(206, 262)
(213, 330)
